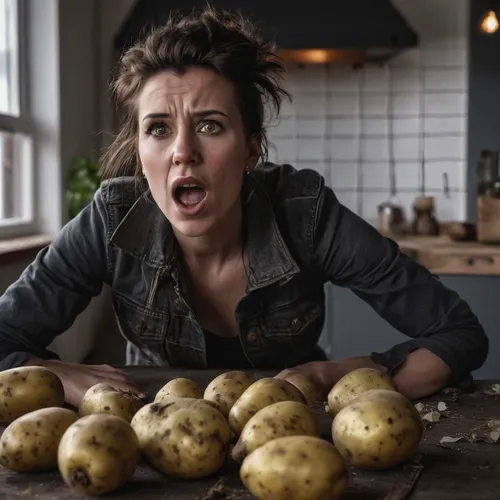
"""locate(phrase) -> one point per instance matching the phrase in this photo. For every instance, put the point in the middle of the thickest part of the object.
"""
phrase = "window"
(16, 159)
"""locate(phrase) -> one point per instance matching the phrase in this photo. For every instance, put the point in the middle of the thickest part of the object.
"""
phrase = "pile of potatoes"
(266, 425)
(95, 448)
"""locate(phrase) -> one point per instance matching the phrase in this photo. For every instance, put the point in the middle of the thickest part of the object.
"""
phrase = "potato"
(227, 388)
(307, 387)
(144, 420)
(29, 443)
(103, 398)
(180, 387)
(98, 454)
(26, 389)
(378, 430)
(191, 442)
(286, 418)
(295, 468)
(260, 394)
(353, 384)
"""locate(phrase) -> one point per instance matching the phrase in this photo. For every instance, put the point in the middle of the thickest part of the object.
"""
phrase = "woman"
(214, 258)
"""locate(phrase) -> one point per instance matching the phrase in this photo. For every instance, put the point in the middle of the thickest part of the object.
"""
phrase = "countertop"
(442, 255)
(457, 471)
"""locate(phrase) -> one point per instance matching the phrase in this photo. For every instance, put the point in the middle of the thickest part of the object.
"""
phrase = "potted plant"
(84, 180)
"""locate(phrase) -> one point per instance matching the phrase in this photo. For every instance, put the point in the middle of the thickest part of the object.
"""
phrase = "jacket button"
(296, 324)
(252, 336)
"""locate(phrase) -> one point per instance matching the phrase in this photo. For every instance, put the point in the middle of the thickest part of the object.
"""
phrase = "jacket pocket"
(142, 327)
(290, 333)
(292, 319)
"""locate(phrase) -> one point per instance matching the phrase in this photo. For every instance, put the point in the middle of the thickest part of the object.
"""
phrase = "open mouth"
(189, 195)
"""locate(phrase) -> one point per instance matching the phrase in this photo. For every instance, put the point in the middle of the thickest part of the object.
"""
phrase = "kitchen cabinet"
(352, 328)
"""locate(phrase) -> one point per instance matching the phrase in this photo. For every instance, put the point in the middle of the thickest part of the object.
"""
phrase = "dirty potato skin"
(260, 394)
(295, 468)
(286, 418)
(190, 443)
(29, 443)
(378, 430)
(307, 387)
(180, 387)
(355, 383)
(227, 388)
(103, 398)
(98, 454)
(145, 420)
(26, 389)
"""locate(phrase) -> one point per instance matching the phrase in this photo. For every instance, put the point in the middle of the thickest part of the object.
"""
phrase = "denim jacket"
(299, 237)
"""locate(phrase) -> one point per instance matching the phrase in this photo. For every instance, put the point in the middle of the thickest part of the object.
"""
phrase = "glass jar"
(424, 222)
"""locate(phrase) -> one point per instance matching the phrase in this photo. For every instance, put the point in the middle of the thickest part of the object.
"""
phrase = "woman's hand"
(421, 374)
(78, 378)
(325, 374)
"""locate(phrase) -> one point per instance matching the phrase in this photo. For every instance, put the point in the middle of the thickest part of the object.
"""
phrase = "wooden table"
(458, 471)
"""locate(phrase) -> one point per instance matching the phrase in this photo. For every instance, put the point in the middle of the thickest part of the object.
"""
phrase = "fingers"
(116, 378)
(307, 369)
(127, 387)
(124, 381)
(286, 373)
(115, 375)
(74, 394)
(109, 372)
(104, 369)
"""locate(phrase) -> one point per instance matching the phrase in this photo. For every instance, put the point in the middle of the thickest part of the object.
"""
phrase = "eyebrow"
(198, 114)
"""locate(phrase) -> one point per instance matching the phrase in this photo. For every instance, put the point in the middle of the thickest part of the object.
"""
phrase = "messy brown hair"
(218, 39)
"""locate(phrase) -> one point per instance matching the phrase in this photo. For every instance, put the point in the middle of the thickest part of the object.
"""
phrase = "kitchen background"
(428, 112)
(350, 123)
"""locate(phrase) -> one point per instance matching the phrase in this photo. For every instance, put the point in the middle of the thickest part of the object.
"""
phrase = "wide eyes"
(209, 127)
(158, 130)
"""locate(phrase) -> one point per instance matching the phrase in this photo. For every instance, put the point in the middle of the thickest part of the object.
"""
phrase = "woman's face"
(193, 148)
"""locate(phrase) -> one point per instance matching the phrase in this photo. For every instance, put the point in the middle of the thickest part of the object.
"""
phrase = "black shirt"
(225, 352)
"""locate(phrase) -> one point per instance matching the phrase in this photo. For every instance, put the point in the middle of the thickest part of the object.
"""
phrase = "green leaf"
(84, 180)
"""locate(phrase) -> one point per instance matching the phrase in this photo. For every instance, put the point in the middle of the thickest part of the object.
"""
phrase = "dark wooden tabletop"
(468, 469)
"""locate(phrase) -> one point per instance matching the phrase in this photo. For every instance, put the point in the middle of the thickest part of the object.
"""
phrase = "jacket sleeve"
(54, 288)
(351, 253)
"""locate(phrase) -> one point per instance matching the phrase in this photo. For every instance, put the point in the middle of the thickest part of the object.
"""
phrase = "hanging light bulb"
(489, 23)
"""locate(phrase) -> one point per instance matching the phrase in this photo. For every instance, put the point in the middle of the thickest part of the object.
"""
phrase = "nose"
(185, 149)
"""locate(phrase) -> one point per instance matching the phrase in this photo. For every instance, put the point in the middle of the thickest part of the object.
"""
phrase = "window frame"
(24, 124)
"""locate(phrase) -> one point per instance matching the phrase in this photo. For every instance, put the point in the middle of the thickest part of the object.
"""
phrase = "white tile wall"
(340, 120)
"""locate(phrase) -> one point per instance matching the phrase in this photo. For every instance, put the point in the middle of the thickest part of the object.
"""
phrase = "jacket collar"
(145, 233)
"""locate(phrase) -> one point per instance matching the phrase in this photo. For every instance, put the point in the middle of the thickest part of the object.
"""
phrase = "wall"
(74, 344)
(340, 120)
(112, 15)
(87, 58)
(61, 68)
(71, 58)
(86, 30)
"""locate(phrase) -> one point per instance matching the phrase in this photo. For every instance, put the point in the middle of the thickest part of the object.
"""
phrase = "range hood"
(308, 31)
